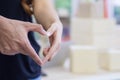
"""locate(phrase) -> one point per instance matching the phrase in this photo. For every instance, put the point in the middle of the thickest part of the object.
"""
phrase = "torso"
(18, 67)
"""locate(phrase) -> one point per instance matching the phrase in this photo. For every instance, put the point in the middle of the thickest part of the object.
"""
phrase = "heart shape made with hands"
(14, 39)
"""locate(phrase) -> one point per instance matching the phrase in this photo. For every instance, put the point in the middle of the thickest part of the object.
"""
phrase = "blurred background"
(90, 48)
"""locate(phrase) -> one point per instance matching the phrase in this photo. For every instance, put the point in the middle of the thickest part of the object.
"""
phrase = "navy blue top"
(18, 67)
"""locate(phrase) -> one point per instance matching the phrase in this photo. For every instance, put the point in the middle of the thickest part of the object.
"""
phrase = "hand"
(14, 39)
(55, 32)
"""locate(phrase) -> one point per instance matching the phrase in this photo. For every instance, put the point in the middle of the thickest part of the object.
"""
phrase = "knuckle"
(22, 43)
(39, 26)
(25, 23)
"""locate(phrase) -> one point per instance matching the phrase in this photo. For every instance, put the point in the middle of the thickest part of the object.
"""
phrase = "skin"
(14, 37)
(51, 23)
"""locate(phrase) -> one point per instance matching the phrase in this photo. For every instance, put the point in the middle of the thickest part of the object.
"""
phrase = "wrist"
(59, 24)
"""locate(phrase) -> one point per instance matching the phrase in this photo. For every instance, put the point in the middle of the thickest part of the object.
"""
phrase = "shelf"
(64, 74)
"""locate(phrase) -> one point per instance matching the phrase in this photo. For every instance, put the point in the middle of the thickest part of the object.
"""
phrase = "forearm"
(45, 13)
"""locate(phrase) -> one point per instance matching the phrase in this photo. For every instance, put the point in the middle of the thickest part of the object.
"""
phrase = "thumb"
(52, 29)
(35, 27)
(27, 49)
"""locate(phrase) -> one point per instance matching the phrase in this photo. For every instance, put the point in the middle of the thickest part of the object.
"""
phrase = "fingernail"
(48, 34)
(44, 31)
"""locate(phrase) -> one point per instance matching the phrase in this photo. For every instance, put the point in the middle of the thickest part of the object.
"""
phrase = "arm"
(46, 15)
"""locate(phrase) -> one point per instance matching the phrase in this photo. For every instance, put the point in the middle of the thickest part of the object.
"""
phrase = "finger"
(51, 39)
(52, 50)
(35, 27)
(28, 49)
(45, 52)
(54, 53)
(52, 29)
(48, 56)
(52, 56)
